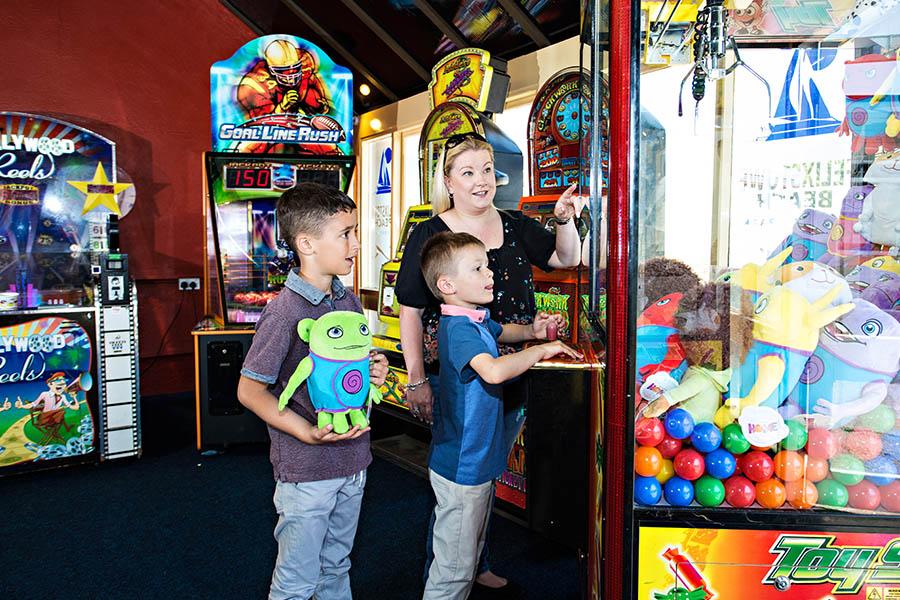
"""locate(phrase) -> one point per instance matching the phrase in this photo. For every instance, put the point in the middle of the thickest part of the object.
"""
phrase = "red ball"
(862, 443)
(739, 491)
(649, 432)
(689, 464)
(669, 446)
(864, 495)
(890, 496)
(757, 466)
(821, 444)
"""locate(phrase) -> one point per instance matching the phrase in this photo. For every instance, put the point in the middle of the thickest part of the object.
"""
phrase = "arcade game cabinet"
(752, 447)
(68, 310)
(265, 141)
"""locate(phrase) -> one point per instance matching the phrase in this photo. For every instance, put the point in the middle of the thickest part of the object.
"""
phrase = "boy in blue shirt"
(320, 474)
(467, 451)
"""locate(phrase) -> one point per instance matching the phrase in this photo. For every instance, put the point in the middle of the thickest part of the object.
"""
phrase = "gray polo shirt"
(272, 359)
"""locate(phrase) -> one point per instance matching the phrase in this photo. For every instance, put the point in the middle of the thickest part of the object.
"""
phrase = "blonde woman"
(462, 199)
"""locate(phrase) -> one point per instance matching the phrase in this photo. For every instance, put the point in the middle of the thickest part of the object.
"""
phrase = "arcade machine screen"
(252, 265)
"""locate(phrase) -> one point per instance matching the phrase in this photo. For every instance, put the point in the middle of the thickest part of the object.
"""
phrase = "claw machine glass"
(757, 316)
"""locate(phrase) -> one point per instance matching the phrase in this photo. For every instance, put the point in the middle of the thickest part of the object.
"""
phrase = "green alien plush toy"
(336, 370)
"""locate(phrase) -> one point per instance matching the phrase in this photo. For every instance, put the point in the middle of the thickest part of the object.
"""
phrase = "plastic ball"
(880, 419)
(864, 495)
(739, 491)
(647, 461)
(847, 469)
(733, 439)
(720, 463)
(890, 444)
(709, 491)
(770, 493)
(669, 446)
(666, 471)
(796, 437)
(816, 469)
(757, 466)
(863, 444)
(689, 464)
(832, 493)
(706, 437)
(679, 423)
(647, 491)
(789, 465)
(890, 497)
(649, 432)
(801, 494)
(678, 492)
(881, 470)
(821, 444)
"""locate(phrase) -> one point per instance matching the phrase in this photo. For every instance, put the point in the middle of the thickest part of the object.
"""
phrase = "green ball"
(832, 493)
(733, 439)
(796, 437)
(709, 491)
(847, 469)
(880, 420)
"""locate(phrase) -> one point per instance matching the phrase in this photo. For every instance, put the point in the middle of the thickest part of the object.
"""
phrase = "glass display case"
(754, 276)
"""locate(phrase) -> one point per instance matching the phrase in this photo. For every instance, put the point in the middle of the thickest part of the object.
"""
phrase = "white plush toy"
(879, 221)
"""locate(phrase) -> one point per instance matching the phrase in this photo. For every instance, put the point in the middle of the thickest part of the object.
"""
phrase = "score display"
(248, 178)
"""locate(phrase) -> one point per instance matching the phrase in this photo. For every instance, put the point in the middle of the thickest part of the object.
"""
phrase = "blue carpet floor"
(178, 525)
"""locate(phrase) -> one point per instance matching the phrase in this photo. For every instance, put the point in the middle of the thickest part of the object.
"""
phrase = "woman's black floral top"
(525, 243)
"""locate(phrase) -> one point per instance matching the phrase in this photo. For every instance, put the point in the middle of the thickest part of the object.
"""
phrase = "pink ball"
(821, 444)
(739, 491)
(890, 496)
(757, 466)
(689, 464)
(669, 446)
(862, 443)
(864, 495)
(649, 432)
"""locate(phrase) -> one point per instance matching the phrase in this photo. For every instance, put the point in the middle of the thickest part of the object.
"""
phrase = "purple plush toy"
(846, 247)
(809, 239)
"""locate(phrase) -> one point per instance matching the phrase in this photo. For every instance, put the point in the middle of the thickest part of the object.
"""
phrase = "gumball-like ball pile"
(685, 463)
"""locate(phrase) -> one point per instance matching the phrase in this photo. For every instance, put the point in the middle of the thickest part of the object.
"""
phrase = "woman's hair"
(440, 196)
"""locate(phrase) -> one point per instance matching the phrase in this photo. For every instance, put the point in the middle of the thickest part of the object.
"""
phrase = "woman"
(462, 201)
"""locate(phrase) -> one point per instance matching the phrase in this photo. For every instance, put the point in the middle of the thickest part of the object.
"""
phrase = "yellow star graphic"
(100, 191)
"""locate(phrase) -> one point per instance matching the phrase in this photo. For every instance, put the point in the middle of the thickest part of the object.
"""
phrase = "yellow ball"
(665, 471)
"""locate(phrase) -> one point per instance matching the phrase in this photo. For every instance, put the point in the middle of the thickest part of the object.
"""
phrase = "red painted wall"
(136, 72)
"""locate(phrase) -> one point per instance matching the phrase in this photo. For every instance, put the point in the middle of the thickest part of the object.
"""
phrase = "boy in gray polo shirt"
(320, 475)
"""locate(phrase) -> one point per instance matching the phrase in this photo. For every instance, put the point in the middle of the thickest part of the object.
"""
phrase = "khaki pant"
(461, 516)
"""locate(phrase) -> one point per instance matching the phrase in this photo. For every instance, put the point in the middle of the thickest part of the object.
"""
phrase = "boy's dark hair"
(306, 206)
(439, 254)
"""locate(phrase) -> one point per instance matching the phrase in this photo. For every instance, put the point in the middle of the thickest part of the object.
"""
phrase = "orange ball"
(770, 493)
(647, 461)
(801, 494)
(816, 469)
(666, 471)
(789, 465)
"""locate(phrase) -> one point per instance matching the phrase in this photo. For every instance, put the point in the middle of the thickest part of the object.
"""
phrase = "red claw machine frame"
(752, 443)
(282, 113)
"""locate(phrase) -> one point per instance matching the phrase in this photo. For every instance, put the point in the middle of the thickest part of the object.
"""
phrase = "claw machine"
(68, 310)
(754, 346)
(282, 113)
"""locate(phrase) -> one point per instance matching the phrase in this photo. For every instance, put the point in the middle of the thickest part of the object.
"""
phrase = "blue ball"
(706, 437)
(890, 443)
(881, 470)
(647, 490)
(679, 492)
(720, 463)
(679, 423)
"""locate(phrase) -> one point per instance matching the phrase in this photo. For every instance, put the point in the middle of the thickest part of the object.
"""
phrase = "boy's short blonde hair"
(439, 256)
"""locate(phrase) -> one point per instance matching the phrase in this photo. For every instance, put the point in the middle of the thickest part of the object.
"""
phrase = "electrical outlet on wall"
(189, 284)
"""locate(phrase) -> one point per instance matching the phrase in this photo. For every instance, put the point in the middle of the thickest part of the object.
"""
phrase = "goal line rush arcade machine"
(768, 468)
(68, 310)
(282, 114)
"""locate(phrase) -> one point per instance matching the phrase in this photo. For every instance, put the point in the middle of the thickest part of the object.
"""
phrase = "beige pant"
(460, 525)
